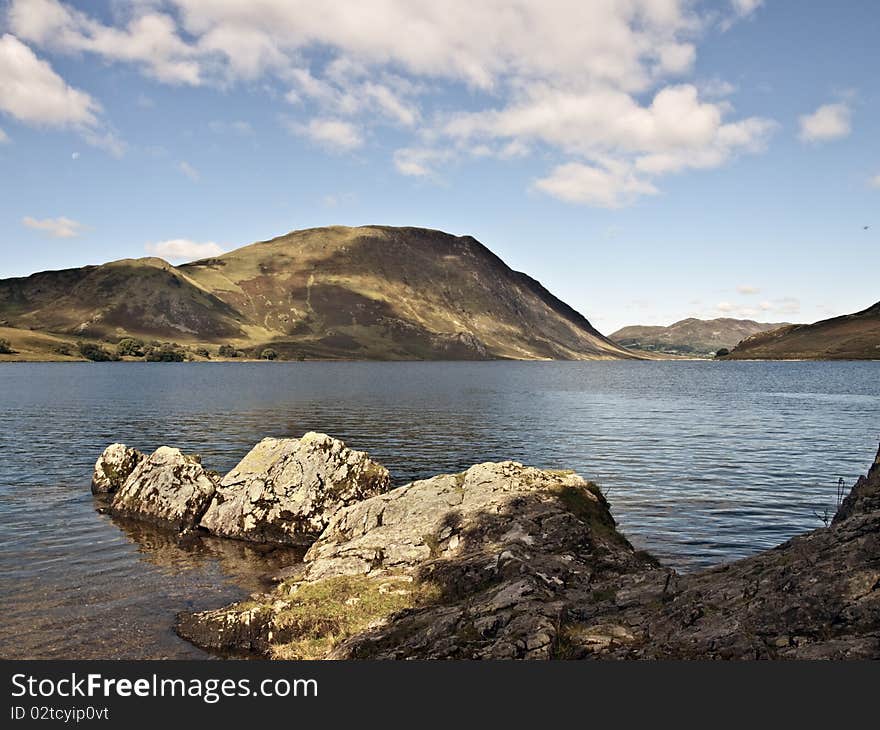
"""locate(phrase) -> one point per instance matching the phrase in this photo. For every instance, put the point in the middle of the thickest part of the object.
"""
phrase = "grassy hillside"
(850, 337)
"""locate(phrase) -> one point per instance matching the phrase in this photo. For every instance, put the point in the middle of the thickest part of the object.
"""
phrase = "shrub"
(5, 347)
(130, 347)
(202, 352)
(165, 352)
(95, 353)
(268, 354)
(227, 351)
(63, 349)
(722, 352)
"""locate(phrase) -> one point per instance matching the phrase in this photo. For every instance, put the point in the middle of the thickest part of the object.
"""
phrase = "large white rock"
(113, 467)
(287, 490)
(168, 487)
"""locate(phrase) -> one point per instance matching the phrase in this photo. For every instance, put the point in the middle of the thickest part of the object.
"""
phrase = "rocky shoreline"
(501, 561)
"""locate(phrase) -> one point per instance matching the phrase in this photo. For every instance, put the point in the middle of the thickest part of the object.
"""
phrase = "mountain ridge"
(846, 337)
(371, 292)
(690, 336)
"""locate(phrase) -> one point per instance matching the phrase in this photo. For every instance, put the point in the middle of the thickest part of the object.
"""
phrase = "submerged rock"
(287, 490)
(113, 467)
(504, 561)
(168, 487)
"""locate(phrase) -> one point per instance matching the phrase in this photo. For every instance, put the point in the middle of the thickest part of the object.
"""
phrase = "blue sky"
(647, 160)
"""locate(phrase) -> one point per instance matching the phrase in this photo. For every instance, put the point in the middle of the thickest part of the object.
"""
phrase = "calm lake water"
(704, 462)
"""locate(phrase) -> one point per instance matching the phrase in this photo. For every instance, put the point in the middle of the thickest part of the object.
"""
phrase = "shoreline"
(501, 561)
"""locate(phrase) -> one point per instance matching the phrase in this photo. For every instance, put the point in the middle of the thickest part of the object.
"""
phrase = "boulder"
(480, 564)
(167, 488)
(287, 490)
(113, 467)
(505, 561)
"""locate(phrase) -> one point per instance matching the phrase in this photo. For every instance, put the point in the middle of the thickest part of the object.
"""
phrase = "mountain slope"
(373, 292)
(698, 337)
(850, 337)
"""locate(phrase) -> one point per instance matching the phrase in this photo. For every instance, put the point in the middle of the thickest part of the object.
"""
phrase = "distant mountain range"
(690, 337)
(850, 337)
(373, 292)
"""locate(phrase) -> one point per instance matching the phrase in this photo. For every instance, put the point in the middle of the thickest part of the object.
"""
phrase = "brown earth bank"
(367, 293)
(850, 337)
(499, 561)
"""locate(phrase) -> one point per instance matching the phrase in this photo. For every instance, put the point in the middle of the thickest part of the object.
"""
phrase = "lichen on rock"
(113, 467)
(167, 488)
(505, 561)
(491, 556)
(287, 490)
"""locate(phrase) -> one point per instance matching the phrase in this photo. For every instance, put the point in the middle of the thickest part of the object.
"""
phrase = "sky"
(646, 160)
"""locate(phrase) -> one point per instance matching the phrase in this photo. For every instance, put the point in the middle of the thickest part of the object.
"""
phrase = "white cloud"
(32, 93)
(419, 161)
(748, 290)
(334, 200)
(60, 227)
(874, 182)
(767, 310)
(333, 134)
(3, 137)
(150, 39)
(564, 77)
(739, 10)
(746, 7)
(186, 169)
(830, 121)
(608, 187)
(623, 144)
(179, 249)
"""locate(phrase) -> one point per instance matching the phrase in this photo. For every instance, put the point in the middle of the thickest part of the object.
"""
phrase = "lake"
(703, 462)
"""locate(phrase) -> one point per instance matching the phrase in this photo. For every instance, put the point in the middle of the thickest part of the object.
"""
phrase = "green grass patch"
(323, 614)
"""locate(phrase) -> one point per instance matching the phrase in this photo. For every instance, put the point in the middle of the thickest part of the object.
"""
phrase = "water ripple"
(703, 462)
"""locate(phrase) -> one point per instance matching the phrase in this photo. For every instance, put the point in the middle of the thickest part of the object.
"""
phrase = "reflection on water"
(704, 462)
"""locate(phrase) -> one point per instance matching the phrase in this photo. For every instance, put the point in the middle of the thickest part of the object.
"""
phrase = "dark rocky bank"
(500, 561)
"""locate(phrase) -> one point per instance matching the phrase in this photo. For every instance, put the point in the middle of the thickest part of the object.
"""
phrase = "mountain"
(695, 337)
(850, 337)
(373, 292)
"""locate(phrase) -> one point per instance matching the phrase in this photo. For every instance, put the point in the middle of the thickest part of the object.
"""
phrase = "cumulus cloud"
(60, 227)
(3, 137)
(151, 39)
(186, 169)
(608, 187)
(874, 182)
(597, 85)
(748, 290)
(183, 249)
(830, 121)
(32, 93)
(332, 134)
(624, 142)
